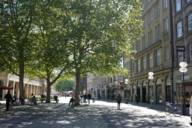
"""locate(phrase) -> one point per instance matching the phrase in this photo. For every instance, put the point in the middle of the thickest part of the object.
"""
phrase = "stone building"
(153, 55)
(182, 22)
(106, 87)
(37, 86)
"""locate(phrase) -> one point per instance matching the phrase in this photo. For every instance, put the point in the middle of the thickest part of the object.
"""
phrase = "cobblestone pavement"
(97, 115)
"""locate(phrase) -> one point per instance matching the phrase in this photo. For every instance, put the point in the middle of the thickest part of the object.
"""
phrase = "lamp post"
(150, 77)
(183, 69)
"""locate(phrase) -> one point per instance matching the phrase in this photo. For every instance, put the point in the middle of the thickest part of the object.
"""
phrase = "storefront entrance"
(138, 95)
(144, 94)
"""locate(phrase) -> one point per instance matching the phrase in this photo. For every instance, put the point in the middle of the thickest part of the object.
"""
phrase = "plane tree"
(15, 42)
(101, 33)
(51, 54)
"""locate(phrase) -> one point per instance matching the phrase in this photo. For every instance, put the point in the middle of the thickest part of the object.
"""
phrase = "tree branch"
(58, 76)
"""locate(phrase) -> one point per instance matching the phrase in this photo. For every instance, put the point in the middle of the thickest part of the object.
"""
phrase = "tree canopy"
(15, 42)
(101, 33)
(50, 38)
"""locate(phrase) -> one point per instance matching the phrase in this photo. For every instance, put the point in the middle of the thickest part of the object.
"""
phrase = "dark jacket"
(8, 97)
(119, 99)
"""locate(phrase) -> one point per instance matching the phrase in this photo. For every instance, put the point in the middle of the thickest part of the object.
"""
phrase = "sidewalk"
(160, 107)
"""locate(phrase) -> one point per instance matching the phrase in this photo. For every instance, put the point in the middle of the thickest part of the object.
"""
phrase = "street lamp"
(150, 77)
(183, 69)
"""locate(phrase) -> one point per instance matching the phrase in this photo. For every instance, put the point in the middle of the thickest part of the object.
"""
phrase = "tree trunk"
(48, 99)
(21, 76)
(77, 88)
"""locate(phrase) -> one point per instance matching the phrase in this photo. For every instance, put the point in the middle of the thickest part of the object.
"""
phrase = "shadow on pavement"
(60, 116)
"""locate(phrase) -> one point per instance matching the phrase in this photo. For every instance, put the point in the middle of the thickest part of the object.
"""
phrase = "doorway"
(144, 94)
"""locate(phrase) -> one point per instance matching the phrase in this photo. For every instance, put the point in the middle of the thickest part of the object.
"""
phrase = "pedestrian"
(81, 98)
(93, 98)
(72, 102)
(89, 98)
(33, 99)
(85, 98)
(56, 99)
(118, 101)
(42, 98)
(8, 98)
(190, 109)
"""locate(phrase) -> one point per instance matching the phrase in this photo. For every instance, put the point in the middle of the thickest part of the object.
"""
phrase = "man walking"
(8, 98)
(89, 98)
(118, 101)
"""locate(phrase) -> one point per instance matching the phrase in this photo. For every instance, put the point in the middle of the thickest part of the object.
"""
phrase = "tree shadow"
(60, 116)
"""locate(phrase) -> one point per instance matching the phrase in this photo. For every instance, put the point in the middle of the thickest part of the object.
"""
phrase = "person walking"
(33, 99)
(89, 98)
(8, 98)
(118, 101)
(56, 99)
(72, 102)
(42, 98)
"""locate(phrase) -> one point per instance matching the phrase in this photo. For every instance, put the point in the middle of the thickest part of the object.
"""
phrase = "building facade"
(153, 55)
(106, 87)
(37, 86)
(182, 28)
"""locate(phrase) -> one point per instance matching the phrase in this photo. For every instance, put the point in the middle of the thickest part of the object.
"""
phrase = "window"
(166, 25)
(139, 65)
(151, 60)
(190, 22)
(159, 57)
(143, 42)
(167, 53)
(144, 62)
(150, 37)
(180, 53)
(179, 29)
(178, 5)
(165, 3)
(156, 11)
(136, 66)
(157, 32)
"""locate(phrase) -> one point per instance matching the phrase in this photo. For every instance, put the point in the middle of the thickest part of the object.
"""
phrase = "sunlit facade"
(9, 81)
